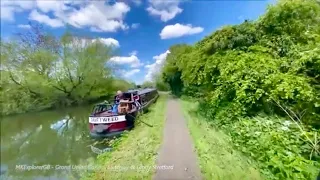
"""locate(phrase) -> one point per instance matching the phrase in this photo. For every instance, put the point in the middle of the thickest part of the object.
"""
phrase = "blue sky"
(142, 31)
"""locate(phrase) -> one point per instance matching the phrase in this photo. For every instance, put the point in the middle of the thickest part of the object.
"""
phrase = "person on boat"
(136, 101)
(119, 96)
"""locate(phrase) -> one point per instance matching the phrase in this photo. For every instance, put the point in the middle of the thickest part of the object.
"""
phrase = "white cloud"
(108, 41)
(50, 5)
(132, 60)
(133, 53)
(156, 66)
(24, 26)
(137, 2)
(165, 9)
(7, 13)
(42, 18)
(94, 29)
(130, 73)
(135, 25)
(178, 30)
(82, 42)
(18, 4)
(99, 16)
(9, 8)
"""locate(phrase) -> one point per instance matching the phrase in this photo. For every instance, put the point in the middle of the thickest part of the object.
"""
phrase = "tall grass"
(218, 159)
(314, 143)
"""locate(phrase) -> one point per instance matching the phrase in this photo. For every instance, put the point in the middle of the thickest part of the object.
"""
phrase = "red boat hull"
(112, 129)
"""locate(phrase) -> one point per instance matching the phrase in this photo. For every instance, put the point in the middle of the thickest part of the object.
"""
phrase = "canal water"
(54, 140)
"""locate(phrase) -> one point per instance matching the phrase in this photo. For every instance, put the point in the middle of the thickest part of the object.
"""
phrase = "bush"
(244, 68)
(241, 71)
(278, 145)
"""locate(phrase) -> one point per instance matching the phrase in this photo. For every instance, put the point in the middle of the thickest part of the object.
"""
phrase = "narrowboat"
(109, 120)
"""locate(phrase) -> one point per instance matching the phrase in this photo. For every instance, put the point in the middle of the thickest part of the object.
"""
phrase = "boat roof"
(143, 91)
(139, 91)
(132, 91)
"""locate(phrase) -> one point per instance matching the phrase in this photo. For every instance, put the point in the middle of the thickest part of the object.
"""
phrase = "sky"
(142, 31)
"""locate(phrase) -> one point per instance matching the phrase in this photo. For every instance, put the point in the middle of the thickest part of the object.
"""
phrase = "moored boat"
(108, 120)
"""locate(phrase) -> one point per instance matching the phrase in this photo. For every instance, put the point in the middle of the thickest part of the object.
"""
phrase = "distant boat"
(109, 120)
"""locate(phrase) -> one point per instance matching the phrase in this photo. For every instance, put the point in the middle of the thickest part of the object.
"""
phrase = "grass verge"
(218, 160)
(135, 153)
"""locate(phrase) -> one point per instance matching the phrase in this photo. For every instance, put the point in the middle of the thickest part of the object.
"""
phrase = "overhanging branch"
(19, 84)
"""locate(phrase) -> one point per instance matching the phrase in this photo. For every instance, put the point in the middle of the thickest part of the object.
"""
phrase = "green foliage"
(295, 18)
(41, 71)
(121, 84)
(257, 67)
(148, 84)
(245, 68)
(277, 145)
(171, 72)
(160, 84)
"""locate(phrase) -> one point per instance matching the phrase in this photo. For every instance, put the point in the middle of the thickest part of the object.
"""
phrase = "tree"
(148, 84)
(159, 83)
(40, 71)
(173, 67)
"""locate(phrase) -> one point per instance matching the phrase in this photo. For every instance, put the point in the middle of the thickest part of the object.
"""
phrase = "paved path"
(177, 148)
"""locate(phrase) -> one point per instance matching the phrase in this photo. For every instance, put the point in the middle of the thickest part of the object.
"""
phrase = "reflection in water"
(55, 138)
(61, 125)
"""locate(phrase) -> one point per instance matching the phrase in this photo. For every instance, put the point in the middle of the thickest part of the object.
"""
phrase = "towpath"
(177, 148)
